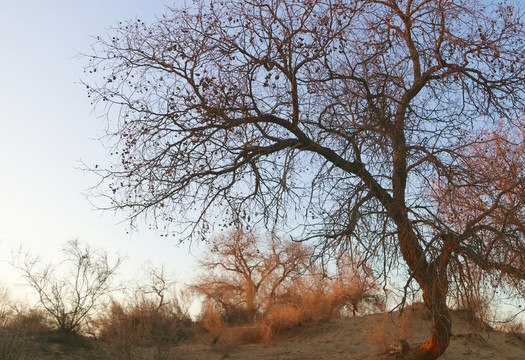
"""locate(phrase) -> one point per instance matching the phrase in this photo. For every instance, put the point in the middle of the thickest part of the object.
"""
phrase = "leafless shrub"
(12, 338)
(12, 343)
(212, 321)
(29, 319)
(69, 291)
(156, 317)
(391, 332)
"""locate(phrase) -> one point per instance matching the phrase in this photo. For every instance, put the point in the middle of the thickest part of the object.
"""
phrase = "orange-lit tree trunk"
(432, 278)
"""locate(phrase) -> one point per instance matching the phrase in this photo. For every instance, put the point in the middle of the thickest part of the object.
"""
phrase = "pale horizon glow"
(48, 127)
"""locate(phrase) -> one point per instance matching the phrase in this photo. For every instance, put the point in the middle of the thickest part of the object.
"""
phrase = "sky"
(48, 127)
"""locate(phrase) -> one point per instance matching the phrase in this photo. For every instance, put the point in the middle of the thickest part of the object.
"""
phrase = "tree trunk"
(250, 303)
(439, 338)
(432, 277)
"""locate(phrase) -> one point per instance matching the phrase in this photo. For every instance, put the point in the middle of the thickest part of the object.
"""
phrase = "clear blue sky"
(48, 127)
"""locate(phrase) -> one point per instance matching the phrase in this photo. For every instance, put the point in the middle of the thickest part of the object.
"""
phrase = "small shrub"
(15, 324)
(29, 320)
(143, 323)
(391, 333)
(515, 329)
(12, 343)
(213, 322)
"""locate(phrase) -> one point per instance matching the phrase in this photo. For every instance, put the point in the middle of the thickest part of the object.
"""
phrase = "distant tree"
(239, 273)
(356, 285)
(330, 120)
(69, 290)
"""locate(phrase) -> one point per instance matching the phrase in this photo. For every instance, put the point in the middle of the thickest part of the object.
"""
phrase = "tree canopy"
(358, 124)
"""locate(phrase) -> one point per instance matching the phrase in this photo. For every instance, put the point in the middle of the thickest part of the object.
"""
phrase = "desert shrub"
(5, 307)
(143, 323)
(391, 332)
(212, 320)
(155, 316)
(12, 343)
(70, 290)
(21, 317)
(29, 319)
(307, 300)
(12, 339)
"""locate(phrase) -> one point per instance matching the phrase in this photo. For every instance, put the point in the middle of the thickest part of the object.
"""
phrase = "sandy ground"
(355, 338)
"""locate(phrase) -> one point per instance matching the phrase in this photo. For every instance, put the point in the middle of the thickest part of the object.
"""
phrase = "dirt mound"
(364, 337)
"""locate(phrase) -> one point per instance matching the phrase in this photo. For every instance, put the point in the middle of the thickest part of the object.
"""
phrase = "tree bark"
(250, 303)
(439, 339)
(432, 277)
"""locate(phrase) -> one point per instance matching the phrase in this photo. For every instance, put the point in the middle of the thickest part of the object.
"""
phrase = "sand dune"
(351, 338)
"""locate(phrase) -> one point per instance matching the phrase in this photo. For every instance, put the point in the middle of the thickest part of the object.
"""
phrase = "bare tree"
(487, 192)
(239, 271)
(69, 291)
(357, 286)
(330, 120)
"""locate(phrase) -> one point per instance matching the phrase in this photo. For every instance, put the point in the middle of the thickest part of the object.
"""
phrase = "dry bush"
(354, 287)
(307, 300)
(224, 336)
(12, 340)
(514, 328)
(17, 321)
(5, 306)
(12, 343)
(143, 323)
(70, 290)
(29, 319)
(21, 317)
(156, 316)
(212, 321)
(391, 332)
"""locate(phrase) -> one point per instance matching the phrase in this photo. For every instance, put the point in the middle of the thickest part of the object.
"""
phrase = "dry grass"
(392, 332)
(514, 329)
(213, 322)
(12, 343)
(304, 301)
(16, 323)
(144, 323)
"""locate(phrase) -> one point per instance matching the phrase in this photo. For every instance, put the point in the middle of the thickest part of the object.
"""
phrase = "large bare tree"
(331, 120)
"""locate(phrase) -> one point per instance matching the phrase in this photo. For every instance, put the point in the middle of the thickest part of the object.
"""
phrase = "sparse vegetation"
(12, 338)
(271, 286)
(69, 291)
(152, 321)
(155, 316)
(392, 332)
